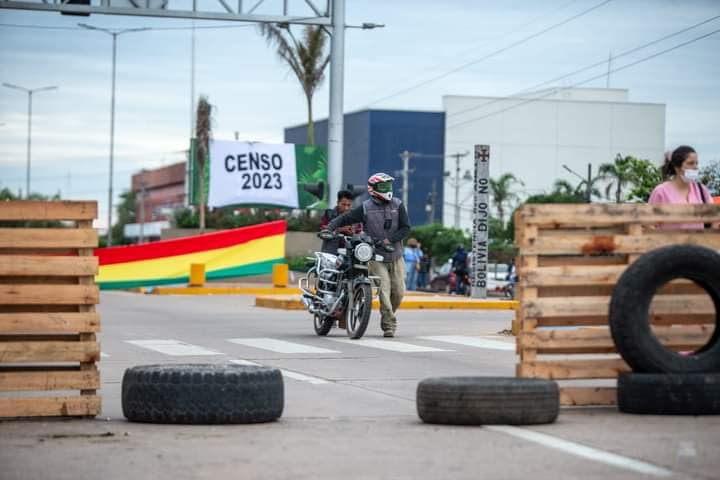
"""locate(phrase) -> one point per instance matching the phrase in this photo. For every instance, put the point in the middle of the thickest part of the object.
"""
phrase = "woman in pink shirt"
(681, 186)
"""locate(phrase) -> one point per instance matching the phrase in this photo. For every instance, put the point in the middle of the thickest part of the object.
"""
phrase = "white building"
(534, 136)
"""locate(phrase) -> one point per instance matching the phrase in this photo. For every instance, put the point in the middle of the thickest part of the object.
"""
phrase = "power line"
(491, 54)
(588, 80)
(589, 67)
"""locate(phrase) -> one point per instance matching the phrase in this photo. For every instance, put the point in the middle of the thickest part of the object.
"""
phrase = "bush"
(227, 218)
(298, 263)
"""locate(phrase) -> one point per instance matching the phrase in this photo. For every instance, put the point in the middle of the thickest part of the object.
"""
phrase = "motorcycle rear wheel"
(358, 311)
(322, 325)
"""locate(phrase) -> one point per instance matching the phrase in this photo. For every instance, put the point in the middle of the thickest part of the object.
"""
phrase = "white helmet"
(380, 186)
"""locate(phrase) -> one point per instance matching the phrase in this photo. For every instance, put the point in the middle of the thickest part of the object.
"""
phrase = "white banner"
(252, 173)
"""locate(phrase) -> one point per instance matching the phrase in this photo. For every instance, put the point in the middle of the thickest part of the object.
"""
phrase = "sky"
(257, 96)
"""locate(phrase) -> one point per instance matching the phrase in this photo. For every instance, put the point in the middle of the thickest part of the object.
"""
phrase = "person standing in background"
(424, 267)
(411, 254)
(681, 173)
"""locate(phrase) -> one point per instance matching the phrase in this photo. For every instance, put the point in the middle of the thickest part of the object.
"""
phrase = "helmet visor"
(383, 187)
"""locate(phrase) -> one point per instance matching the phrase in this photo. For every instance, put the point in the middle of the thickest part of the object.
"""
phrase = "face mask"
(690, 175)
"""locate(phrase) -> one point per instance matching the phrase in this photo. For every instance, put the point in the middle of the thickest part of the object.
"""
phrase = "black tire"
(630, 304)
(322, 327)
(488, 401)
(669, 394)
(359, 310)
(202, 394)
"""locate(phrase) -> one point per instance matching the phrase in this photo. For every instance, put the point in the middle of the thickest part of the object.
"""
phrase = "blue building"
(373, 142)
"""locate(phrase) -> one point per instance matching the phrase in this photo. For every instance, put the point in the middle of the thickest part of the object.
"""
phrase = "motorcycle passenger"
(459, 266)
(385, 219)
(344, 204)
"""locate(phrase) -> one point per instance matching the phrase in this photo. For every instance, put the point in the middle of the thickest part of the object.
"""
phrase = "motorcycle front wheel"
(322, 325)
(358, 311)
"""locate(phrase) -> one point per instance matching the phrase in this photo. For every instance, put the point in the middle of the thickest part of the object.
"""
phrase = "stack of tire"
(665, 382)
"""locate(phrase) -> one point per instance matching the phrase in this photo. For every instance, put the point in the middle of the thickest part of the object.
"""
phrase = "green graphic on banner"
(312, 177)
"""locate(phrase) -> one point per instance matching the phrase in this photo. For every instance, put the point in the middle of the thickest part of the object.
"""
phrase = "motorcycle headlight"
(363, 252)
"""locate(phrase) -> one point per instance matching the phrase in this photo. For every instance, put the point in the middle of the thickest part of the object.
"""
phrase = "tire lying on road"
(630, 304)
(202, 394)
(669, 394)
(487, 401)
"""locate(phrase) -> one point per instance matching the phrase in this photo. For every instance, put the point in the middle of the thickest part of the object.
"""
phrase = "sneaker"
(389, 334)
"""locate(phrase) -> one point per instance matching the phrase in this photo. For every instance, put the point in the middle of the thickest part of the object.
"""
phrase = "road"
(349, 407)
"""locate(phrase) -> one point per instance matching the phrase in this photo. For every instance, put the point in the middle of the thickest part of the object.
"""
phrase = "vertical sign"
(481, 217)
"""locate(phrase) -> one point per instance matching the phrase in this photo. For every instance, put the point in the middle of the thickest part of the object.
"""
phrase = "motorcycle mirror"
(316, 189)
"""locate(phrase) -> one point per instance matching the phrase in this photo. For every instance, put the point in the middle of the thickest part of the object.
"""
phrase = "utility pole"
(143, 186)
(607, 83)
(406, 156)
(588, 187)
(430, 207)
(457, 156)
(335, 118)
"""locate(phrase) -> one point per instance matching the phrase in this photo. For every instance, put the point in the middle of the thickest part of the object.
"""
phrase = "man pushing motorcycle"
(385, 219)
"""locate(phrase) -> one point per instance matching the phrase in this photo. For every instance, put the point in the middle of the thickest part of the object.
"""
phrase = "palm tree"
(203, 134)
(563, 187)
(503, 194)
(306, 58)
(618, 174)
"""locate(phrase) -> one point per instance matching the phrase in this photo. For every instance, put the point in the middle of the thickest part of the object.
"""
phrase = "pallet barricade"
(570, 257)
(48, 322)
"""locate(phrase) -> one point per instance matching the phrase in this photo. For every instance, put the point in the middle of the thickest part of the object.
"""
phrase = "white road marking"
(286, 373)
(391, 345)
(174, 348)
(473, 342)
(280, 346)
(583, 451)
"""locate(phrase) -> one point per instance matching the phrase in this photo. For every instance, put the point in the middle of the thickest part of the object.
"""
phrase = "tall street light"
(30, 92)
(114, 33)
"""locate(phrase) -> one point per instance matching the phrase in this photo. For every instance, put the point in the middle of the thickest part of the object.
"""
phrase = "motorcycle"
(341, 285)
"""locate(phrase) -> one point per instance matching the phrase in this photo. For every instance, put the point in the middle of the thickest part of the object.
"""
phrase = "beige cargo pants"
(392, 289)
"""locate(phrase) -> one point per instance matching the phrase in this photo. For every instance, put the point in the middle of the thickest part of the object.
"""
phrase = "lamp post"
(30, 92)
(588, 181)
(114, 33)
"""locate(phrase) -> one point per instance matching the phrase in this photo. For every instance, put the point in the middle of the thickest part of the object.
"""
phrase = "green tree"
(440, 241)
(563, 187)
(644, 176)
(503, 195)
(306, 58)
(126, 213)
(710, 177)
(618, 175)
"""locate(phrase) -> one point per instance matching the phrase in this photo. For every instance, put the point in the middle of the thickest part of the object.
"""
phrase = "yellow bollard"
(280, 275)
(197, 275)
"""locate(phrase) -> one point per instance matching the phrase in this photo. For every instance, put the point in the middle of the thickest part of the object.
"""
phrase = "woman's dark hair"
(675, 160)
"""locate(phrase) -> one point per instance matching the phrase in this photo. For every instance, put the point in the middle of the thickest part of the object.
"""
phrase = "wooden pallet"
(570, 257)
(48, 322)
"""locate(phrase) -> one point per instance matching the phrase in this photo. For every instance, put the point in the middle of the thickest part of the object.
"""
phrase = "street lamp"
(114, 33)
(30, 92)
(588, 181)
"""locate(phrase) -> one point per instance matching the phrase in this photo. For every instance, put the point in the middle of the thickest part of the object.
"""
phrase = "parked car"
(445, 281)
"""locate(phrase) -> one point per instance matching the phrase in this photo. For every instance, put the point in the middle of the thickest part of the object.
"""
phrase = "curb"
(292, 302)
(223, 291)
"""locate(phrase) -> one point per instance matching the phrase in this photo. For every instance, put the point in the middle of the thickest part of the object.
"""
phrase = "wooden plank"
(80, 406)
(49, 380)
(49, 351)
(599, 340)
(36, 265)
(622, 244)
(573, 369)
(584, 396)
(606, 214)
(655, 319)
(49, 294)
(48, 238)
(561, 261)
(44, 210)
(598, 306)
